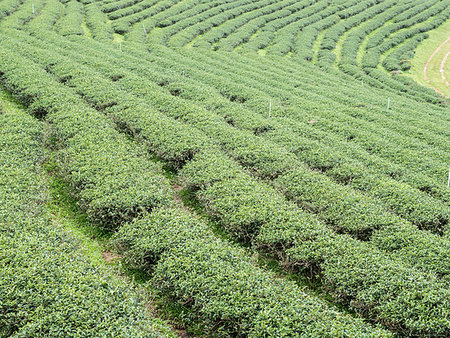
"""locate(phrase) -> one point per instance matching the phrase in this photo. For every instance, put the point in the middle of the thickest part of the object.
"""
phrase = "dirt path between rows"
(425, 68)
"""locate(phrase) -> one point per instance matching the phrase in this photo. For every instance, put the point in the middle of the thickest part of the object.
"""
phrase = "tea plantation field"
(224, 168)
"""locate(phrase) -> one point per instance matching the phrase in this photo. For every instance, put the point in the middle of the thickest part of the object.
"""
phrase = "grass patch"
(118, 38)
(8, 104)
(423, 53)
(65, 212)
(86, 31)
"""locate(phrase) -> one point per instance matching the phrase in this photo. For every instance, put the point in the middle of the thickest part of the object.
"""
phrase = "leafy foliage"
(288, 154)
(48, 288)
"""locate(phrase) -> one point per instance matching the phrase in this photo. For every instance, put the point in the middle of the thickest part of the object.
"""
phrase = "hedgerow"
(184, 17)
(224, 30)
(214, 18)
(47, 17)
(218, 282)
(122, 25)
(239, 226)
(97, 23)
(271, 19)
(7, 7)
(253, 323)
(359, 219)
(22, 15)
(89, 144)
(48, 288)
(354, 16)
(70, 23)
(129, 10)
(112, 6)
(267, 160)
(268, 32)
(329, 182)
(248, 209)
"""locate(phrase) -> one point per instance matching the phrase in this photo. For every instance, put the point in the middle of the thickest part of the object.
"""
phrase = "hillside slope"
(208, 138)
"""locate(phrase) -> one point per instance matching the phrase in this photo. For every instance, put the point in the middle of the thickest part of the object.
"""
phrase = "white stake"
(270, 107)
(120, 46)
(145, 31)
(32, 6)
(389, 102)
(448, 182)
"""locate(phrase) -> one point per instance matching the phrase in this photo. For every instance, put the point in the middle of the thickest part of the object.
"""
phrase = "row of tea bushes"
(343, 208)
(176, 242)
(47, 286)
(114, 182)
(219, 284)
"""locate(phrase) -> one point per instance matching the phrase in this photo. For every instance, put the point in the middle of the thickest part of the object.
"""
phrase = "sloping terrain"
(269, 166)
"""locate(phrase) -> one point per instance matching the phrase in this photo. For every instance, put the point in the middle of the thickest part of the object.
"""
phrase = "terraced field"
(258, 168)
(433, 69)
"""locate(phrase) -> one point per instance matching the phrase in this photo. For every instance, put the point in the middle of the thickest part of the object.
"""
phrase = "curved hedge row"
(343, 208)
(9, 6)
(353, 44)
(70, 23)
(416, 14)
(300, 313)
(265, 24)
(129, 10)
(253, 98)
(200, 99)
(22, 15)
(268, 32)
(98, 24)
(266, 159)
(87, 144)
(111, 6)
(406, 32)
(362, 12)
(277, 29)
(48, 16)
(354, 273)
(237, 206)
(281, 8)
(123, 24)
(48, 288)
(213, 18)
(218, 282)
